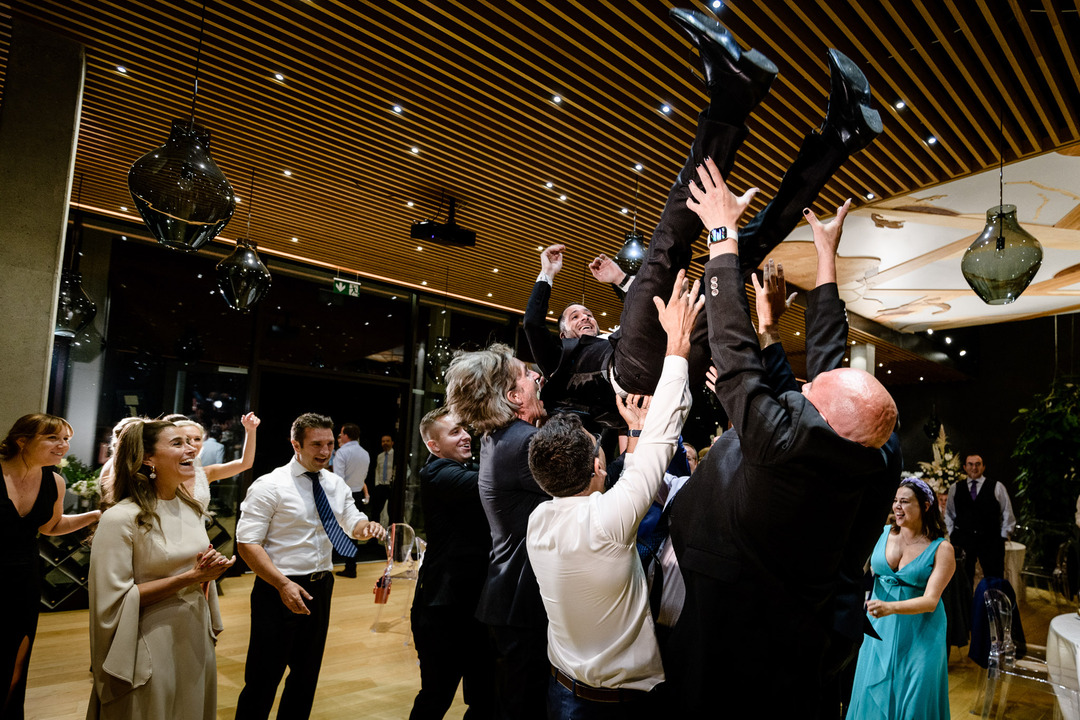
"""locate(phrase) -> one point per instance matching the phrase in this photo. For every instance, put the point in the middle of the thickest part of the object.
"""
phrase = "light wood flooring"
(374, 675)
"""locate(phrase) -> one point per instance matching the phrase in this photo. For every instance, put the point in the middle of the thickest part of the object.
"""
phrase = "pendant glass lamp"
(632, 254)
(182, 195)
(438, 360)
(1003, 260)
(180, 192)
(242, 277)
(74, 308)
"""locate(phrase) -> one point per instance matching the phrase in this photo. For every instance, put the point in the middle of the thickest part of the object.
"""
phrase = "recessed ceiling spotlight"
(625, 210)
(870, 196)
(489, 294)
(797, 333)
(881, 364)
(409, 203)
(551, 312)
(666, 109)
(123, 237)
(121, 69)
(123, 209)
(929, 331)
(852, 342)
(549, 184)
(920, 378)
(556, 99)
(237, 199)
(287, 173)
(931, 140)
(540, 248)
(963, 353)
(888, 372)
(717, 4)
(414, 150)
(419, 248)
(394, 297)
(398, 109)
(562, 197)
(948, 340)
(900, 105)
(639, 167)
(603, 314)
(295, 239)
(279, 77)
(494, 270)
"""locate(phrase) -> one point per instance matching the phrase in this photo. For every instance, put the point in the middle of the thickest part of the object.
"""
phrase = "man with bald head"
(760, 529)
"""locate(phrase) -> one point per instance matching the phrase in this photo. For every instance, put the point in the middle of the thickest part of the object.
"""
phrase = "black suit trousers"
(522, 670)
(281, 639)
(453, 647)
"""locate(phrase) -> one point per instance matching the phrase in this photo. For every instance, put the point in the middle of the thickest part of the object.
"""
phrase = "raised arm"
(826, 318)
(605, 270)
(546, 346)
(246, 459)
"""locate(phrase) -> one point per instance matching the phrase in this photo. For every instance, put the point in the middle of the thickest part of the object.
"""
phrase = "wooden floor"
(374, 675)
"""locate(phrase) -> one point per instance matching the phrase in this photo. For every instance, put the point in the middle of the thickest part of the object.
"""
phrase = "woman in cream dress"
(152, 622)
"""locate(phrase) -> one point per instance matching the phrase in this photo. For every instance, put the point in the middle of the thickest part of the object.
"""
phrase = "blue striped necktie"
(338, 538)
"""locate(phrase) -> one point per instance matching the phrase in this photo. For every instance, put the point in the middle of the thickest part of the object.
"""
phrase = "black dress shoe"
(342, 573)
(737, 78)
(849, 119)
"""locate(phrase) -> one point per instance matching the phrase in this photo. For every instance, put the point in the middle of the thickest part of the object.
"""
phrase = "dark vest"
(580, 384)
(978, 519)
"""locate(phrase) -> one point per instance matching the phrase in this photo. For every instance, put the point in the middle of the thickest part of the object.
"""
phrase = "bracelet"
(634, 433)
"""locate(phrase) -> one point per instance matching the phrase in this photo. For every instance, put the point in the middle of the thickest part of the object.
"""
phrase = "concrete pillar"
(864, 357)
(39, 128)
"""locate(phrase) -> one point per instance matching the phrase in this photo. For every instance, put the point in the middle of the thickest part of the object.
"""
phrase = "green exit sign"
(346, 287)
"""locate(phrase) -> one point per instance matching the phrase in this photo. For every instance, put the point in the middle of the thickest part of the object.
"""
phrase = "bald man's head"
(854, 404)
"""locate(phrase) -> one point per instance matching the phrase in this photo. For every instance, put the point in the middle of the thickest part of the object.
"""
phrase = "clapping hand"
(210, 564)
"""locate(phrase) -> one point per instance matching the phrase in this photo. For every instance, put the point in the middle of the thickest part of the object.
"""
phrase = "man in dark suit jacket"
(451, 643)
(579, 365)
(759, 530)
(499, 395)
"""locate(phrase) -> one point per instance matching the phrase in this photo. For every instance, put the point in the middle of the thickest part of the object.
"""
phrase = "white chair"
(404, 555)
(1014, 688)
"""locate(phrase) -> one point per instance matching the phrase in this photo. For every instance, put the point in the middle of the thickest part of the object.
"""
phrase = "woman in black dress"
(33, 501)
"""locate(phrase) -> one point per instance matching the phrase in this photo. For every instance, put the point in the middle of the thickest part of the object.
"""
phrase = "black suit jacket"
(576, 369)
(458, 537)
(760, 528)
(511, 596)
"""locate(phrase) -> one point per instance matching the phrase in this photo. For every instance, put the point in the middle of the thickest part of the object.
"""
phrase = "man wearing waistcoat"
(979, 518)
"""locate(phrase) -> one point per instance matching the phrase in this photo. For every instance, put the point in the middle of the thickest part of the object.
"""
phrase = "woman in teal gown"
(904, 675)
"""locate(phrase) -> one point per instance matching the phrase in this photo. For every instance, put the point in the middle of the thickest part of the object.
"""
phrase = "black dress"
(20, 601)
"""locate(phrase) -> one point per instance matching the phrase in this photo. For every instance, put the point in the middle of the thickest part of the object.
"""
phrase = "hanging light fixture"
(74, 310)
(438, 360)
(183, 197)
(1004, 259)
(242, 277)
(632, 254)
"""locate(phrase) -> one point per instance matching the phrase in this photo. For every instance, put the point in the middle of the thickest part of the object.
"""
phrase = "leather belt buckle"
(317, 576)
(587, 692)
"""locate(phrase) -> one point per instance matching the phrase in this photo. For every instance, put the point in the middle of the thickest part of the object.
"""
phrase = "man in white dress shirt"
(979, 519)
(384, 477)
(351, 463)
(601, 641)
(287, 539)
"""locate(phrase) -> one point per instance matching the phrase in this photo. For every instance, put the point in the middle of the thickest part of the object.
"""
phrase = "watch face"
(717, 235)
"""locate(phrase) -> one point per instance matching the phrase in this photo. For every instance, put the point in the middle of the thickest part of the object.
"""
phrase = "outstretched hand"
(679, 314)
(633, 409)
(551, 259)
(714, 203)
(250, 421)
(605, 270)
(827, 241)
(770, 297)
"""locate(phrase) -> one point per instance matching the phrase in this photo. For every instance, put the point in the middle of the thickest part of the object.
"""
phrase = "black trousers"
(989, 550)
(639, 344)
(281, 639)
(522, 670)
(380, 494)
(453, 646)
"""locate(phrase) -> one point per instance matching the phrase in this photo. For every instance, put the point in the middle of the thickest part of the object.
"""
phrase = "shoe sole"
(853, 77)
(872, 118)
(694, 24)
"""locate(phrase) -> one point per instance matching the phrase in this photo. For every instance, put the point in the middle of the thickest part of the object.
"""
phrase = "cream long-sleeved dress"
(157, 661)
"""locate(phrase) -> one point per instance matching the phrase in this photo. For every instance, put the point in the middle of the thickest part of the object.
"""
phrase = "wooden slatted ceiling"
(476, 80)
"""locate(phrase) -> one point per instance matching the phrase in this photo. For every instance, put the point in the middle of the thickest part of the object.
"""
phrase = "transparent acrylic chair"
(1019, 688)
(394, 590)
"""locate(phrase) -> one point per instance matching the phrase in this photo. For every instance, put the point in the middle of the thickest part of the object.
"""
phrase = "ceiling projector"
(448, 233)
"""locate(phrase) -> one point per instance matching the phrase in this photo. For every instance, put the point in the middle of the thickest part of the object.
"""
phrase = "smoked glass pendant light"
(242, 278)
(631, 255)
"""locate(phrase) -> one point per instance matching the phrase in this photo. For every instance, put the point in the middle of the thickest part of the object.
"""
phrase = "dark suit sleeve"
(826, 330)
(454, 481)
(778, 370)
(764, 426)
(545, 345)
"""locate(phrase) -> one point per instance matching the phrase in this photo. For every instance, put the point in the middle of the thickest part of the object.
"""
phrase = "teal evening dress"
(905, 673)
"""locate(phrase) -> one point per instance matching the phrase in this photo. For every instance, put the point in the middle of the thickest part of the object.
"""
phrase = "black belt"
(310, 577)
(587, 692)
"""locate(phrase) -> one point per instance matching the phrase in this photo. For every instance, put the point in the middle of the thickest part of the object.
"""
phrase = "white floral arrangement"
(80, 478)
(944, 470)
